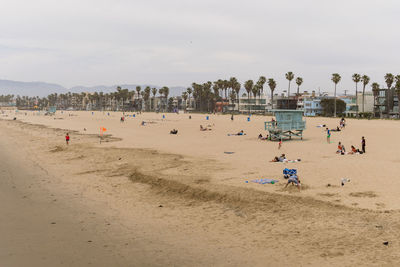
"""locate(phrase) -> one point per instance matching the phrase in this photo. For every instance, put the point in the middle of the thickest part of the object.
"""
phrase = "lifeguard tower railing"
(288, 123)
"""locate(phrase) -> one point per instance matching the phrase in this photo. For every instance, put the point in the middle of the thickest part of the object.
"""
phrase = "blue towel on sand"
(265, 181)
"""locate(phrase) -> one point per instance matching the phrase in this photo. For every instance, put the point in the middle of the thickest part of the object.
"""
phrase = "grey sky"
(171, 42)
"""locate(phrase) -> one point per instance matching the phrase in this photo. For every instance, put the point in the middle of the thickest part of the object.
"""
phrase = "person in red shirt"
(67, 138)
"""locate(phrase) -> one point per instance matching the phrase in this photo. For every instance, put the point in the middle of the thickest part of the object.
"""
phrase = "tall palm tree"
(154, 92)
(185, 96)
(272, 86)
(365, 81)
(289, 76)
(189, 91)
(356, 78)
(138, 89)
(165, 93)
(397, 87)
(335, 79)
(260, 84)
(236, 88)
(375, 91)
(389, 79)
(299, 81)
(147, 93)
(248, 85)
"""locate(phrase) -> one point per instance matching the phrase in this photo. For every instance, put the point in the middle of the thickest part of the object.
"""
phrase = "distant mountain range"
(43, 89)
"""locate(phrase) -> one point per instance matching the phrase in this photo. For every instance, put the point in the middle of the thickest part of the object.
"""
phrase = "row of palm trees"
(121, 99)
(364, 79)
(209, 93)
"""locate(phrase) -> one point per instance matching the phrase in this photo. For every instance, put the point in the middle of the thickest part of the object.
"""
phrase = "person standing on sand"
(363, 144)
(67, 138)
(328, 135)
(280, 144)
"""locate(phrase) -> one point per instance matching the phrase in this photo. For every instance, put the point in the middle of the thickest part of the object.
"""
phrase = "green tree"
(365, 81)
(331, 107)
(335, 79)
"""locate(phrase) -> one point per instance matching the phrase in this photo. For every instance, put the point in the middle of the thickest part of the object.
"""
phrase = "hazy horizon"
(175, 43)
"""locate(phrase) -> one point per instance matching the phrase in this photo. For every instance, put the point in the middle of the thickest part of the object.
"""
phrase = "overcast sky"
(177, 42)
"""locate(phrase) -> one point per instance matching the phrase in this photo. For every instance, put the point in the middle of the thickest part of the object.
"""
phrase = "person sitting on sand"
(343, 150)
(174, 131)
(294, 180)
(262, 138)
(336, 130)
(143, 123)
(353, 150)
(122, 119)
(339, 148)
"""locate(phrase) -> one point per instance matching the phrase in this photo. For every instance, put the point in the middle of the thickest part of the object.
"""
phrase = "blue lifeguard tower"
(288, 124)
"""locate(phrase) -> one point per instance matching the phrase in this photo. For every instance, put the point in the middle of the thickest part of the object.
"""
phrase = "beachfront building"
(312, 106)
(386, 103)
(368, 102)
(351, 105)
(259, 104)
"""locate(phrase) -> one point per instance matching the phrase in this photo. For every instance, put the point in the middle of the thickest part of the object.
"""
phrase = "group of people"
(342, 150)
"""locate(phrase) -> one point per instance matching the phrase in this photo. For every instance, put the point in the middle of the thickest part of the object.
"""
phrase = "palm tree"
(236, 88)
(356, 78)
(138, 89)
(365, 81)
(389, 79)
(185, 96)
(272, 86)
(397, 86)
(335, 79)
(154, 92)
(146, 96)
(165, 92)
(375, 90)
(260, 84)
(299, 81)
(289, 76)
(248, 85)
(189, 91)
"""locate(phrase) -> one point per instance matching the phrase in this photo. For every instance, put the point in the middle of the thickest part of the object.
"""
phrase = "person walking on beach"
(280, 144)
(363, 144)
(328, 135)
(67, 138)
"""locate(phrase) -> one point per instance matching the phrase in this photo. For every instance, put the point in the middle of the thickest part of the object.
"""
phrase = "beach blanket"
(228, 152)
(265, 181)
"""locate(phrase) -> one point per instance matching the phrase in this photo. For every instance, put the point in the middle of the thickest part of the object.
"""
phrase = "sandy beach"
(144, 197)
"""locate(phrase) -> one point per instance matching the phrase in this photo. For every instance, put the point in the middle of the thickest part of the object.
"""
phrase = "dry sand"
(209, 214)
